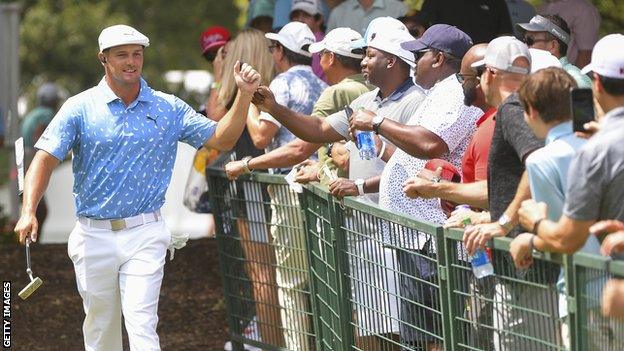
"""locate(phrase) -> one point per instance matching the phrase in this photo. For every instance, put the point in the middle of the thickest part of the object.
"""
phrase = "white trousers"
(119, 272)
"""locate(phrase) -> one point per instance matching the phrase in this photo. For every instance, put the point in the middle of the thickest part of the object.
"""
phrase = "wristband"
(532, 244)
(246, 164)
(215, 85)
(383, 149)
(536, 225)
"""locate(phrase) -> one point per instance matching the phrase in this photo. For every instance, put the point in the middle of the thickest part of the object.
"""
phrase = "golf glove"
(178, 241)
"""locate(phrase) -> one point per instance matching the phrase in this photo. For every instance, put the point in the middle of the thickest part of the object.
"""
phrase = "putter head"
(30, 288)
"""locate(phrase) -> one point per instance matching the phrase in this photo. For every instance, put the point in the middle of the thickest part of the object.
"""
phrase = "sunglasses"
(530, 41)
(272, 47)
(463, 77)
(419, 54)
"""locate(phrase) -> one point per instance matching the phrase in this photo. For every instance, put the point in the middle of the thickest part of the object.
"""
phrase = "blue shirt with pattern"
(298, 89)
(123, 156)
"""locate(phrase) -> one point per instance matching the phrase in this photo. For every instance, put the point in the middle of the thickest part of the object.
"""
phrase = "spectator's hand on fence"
(418, 187)
(307, 172)
(591, 128)
(27, 225)
(613, 243)
(531, 212)
(612, 302)
(340, 155)
(234, 169)
(606, 227)
(520, 249)
(456, 220)
(264, 99)
(361, 120)
(342, 187)
(247, 79)
(476, 236)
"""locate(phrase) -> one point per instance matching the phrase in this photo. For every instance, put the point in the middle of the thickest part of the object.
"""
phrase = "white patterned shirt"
(443, 112)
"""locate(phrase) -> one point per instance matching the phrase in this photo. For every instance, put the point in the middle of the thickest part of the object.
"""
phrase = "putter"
(36, 282)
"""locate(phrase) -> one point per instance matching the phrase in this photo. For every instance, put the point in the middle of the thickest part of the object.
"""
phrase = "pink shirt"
(582, 18)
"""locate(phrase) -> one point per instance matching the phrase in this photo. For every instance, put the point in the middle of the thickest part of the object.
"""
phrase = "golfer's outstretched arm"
(231, 125)
(35, 184)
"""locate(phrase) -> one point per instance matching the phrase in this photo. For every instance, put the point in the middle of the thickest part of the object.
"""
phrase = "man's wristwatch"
(246, 164)
(505, 222)
(377, 120)
(360, 186)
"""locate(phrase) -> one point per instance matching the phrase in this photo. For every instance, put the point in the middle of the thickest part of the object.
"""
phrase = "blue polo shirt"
(123, 157)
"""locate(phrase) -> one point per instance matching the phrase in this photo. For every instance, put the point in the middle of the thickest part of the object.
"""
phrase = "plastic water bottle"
(480, 261)
(366, 144)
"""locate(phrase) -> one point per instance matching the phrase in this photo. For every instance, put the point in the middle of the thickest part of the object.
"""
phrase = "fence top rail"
(264, 178)
(603, 263)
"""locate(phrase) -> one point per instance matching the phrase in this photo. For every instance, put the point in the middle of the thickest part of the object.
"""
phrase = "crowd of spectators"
(485, 87)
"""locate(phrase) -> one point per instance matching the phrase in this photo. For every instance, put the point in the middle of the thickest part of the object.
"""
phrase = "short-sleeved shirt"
(520, 11)
(482, 20)
(443, 113)
(512, 142)
(596, 179)
(352, 15)
(583, 20)
(123, 155)
(475, 161)
(298, 89)
(399, 106)
(582, 80)
(39, 116)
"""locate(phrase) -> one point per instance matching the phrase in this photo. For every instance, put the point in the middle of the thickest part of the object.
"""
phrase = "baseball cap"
(443, 37)
(501, 52)
(295, 36)
(338, 41)
(121, 34)
(607, 58)
(258, 8)
(541, 59)
(390, 40)
(377, 25)
(542, 24)
(311, 7)
(213, 38)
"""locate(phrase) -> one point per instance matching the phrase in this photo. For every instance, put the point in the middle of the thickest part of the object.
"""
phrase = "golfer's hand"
(264, 99)
(475, 237)
(530, 212)
(247, 79)
(27, 225)
(361, 120)
(342, 187)
(520, 249)
(234, 169)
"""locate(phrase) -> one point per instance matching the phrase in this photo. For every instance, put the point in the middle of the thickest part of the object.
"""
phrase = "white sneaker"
(228, 347)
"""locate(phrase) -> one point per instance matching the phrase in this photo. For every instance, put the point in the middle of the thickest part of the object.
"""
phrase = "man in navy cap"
(440, 128)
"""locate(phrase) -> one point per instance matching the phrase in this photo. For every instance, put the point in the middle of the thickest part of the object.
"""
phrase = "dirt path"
(192, 312)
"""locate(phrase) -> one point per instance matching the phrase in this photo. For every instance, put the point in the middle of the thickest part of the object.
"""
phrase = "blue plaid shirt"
(123, 156)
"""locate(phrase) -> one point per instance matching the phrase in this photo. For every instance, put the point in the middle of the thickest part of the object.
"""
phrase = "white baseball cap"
(608, 57)
(390, 40)
(377, 25)
(295, 36)
(501, 53)
(338, 41)
(541, 59)
(311, 7)
(121, 34)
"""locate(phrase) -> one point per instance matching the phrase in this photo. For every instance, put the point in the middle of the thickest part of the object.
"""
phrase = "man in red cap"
(213, 39)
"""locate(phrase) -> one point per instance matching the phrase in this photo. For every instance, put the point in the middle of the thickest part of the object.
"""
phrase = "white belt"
(122, 223)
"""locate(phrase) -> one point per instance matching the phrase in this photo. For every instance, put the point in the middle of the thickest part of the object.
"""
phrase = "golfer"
(124, 137)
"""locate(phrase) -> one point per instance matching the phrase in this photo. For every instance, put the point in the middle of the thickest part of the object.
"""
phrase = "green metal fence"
(350, 276)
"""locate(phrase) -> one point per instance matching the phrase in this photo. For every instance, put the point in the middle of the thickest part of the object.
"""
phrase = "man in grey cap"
(124, 137)
(551, 33)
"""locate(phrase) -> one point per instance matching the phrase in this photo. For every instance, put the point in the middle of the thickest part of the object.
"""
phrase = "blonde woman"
(250, 211)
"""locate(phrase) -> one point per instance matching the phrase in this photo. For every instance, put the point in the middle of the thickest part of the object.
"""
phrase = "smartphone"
(582, 107)
(349, 111)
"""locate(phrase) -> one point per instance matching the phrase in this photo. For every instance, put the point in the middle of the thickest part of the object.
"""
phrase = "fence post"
(215, 204)
(342, 261)
(445, 286)
(573, 308)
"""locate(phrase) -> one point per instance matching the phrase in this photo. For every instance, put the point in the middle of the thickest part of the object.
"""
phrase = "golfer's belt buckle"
(118, 224)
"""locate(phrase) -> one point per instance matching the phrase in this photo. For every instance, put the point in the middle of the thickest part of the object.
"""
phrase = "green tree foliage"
(59, 37)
